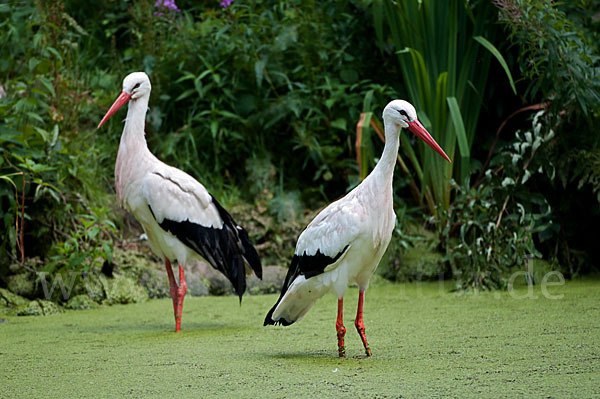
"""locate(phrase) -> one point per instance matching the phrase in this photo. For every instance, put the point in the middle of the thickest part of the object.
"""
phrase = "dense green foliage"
(260, 100)
(45, 154)
(495, 222)
(559, 58)
(556, 55)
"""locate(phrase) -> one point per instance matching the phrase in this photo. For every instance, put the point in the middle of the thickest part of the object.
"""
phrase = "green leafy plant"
(490, 228)
(44, 156)
(480, 251)
(87, 247)
(560, 60)
(558, 57)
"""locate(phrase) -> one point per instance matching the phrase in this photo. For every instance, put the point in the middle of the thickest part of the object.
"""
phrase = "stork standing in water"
(181, 219)
(345, 242)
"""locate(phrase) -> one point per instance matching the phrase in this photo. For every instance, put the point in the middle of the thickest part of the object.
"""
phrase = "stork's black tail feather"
(269, 319)
(293, 272)
(226, 248)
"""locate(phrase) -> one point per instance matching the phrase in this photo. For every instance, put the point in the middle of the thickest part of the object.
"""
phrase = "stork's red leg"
(180, 297)
(177, 292)
(360, 325)
(339, 327)
(172, 284)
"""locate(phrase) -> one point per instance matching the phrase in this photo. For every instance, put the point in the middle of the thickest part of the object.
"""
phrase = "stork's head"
(135, 85)
(402, 114)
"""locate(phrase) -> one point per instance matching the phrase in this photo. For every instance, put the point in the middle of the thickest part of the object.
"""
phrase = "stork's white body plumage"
(346, 240)
(181, 219)
(359, 226)
(154, 191)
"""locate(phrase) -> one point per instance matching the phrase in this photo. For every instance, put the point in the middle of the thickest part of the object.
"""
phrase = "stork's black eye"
(403, 112)
(136, 86)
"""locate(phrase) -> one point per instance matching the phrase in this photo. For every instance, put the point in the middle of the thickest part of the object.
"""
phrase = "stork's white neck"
(133, 132)
(133, 149)
(376, 191)
(385, 167)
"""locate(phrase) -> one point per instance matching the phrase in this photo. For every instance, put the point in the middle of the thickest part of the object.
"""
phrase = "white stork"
(181, 219)
(345, 242)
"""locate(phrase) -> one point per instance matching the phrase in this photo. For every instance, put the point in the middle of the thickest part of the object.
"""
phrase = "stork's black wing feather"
(236, 231)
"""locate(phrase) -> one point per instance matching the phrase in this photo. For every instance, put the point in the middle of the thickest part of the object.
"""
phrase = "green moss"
(9, 300)
(39, 307)
(419, 263)
(121, 289)
(414, 259)
(33, 308)
(140, 266)
(118, 289)
(80, 302)
(22, 284)
(93, 286)
(426, 342)
(49, 307)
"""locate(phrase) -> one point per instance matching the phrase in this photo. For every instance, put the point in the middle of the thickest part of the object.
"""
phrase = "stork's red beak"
(417, 128)
(119, 102)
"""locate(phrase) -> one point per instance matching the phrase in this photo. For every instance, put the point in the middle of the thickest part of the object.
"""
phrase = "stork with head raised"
(179, 216)
(344, 243)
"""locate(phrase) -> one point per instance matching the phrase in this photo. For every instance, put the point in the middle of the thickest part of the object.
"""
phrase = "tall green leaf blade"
(417, 80)
(413, 157)
(378, 19)
(366, 149)
(492, 49)
(461, 136)
(459, 127)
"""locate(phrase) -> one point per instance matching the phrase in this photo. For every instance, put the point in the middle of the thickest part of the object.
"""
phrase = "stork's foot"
(363, 337)
(359, 323)
(341, 332)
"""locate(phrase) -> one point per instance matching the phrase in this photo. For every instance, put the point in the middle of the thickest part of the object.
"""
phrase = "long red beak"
(417, 128)
(119, 102)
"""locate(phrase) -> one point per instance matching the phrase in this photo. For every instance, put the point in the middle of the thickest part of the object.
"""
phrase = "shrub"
(559, 58)
(489, 229)
(48, 171)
